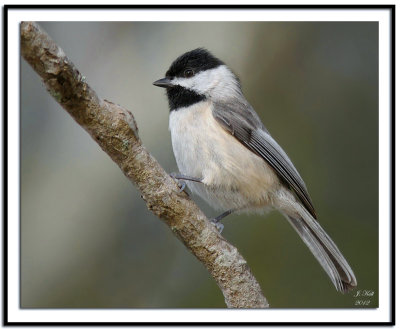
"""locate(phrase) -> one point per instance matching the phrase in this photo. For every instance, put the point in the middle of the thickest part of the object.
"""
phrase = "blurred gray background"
(87, 239)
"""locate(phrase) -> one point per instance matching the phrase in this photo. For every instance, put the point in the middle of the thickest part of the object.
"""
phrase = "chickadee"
(230, 160)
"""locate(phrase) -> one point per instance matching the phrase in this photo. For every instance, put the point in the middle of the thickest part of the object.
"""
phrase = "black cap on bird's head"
(188, 64)
(197, 60)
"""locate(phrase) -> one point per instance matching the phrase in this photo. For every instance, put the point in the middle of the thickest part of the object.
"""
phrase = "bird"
(225, 155)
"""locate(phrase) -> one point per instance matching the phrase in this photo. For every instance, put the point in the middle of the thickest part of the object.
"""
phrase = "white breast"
(232, 175)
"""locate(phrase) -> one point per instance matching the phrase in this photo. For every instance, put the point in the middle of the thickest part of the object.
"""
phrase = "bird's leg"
(223, 215)
(216, 220)
(184, 177)
(181, 180)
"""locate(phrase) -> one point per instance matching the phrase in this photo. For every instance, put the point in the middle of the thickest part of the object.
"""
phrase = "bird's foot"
(217, 224)
(182, 178)
(180, 182)
(217, 220)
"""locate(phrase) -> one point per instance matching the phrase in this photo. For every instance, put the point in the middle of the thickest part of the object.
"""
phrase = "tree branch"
(115, 130)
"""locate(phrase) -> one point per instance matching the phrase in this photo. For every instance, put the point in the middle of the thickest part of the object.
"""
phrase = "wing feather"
(243, 123)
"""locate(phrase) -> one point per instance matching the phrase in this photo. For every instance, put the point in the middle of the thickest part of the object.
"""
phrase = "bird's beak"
(164, 83)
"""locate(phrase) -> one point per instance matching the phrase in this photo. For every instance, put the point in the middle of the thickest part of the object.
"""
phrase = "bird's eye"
(188, 73)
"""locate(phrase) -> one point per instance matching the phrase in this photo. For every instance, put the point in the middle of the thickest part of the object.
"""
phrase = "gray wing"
(244, 124)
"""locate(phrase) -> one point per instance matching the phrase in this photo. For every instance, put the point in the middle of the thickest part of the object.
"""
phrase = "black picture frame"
(7, 8)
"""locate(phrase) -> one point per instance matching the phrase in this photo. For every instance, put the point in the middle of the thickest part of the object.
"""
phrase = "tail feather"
(324, 250)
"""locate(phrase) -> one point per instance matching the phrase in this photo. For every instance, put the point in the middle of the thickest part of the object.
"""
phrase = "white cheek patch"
(216, 83)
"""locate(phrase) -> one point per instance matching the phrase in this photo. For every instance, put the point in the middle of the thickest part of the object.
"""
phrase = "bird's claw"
(217, 224)
(181, 183)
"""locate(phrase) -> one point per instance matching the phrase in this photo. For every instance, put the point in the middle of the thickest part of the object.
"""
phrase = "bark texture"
(115, 130)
